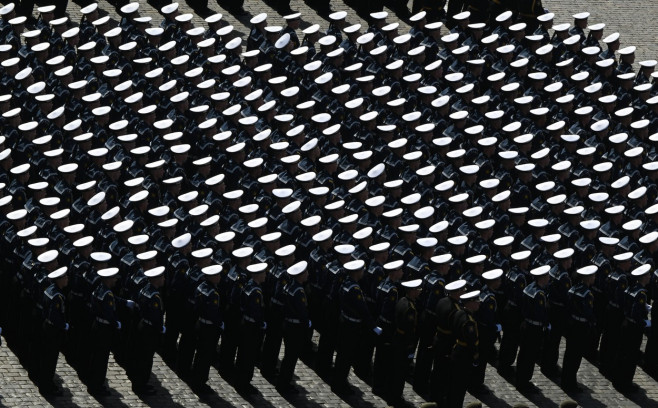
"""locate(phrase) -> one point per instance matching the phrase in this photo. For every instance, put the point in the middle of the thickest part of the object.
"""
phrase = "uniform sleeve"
(361, 308)
(214, 308)
(301, 306)
(57, 314)
(157, 311)
(109, 308)
(639, 310)
(258, 306)
(588, 308)
(542, 308)
(471, 337)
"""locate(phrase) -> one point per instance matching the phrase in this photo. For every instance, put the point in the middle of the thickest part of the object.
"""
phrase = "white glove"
(130, 304)
(118, 325)
(164, 329)
(264, 325)
(648, 307)
(66, 327)
(310, 324)
(411, 356)
(648, 322)
(378, 330)
(221, 326)
(499, 327)
(549, 327)
(0, 330)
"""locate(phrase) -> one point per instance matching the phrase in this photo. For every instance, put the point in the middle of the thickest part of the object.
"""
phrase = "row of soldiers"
(321, 165)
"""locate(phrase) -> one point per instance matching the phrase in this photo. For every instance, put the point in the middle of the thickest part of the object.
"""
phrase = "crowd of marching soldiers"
(165, 191)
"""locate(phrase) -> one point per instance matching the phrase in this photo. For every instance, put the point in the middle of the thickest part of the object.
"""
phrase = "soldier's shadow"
(161, 398)
(539, 399)
(641, 399)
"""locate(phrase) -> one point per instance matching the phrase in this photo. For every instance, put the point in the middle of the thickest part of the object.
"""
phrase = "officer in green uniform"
(534, 326)
(465, 354)
(55, 327)
(252, 328)
(404, 339)
(209, 326)
(581, 324)
(636, 320)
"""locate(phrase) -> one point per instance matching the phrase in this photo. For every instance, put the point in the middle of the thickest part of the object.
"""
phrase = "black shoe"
(143, 390)
(572, 388)
(239, 12)
(527, 387)
(479, 390)
(98, 392)
(287, 389)
(51, 391)
(247, 389)
(342, 389)
(203, 389)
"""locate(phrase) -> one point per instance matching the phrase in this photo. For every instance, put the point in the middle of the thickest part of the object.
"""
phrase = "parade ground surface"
(634, 19)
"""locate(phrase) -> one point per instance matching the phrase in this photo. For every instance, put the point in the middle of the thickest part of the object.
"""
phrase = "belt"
(205, 321)
(77, 294)
(430, 312)
(249, 319)
(350, 319)
(534, 322)
(369, 299)
(512, 303)
(295, 321)
(100, 320)
(462, 343)
(631, 320)
(614, 304)
(557, 303)
(150, 323)
(579, 319)
(443, 331)
(276, 302)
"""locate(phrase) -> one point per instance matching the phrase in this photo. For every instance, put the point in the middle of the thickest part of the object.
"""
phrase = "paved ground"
(633, 18)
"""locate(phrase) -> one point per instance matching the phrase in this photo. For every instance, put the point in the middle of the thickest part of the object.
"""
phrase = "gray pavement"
(634, 19)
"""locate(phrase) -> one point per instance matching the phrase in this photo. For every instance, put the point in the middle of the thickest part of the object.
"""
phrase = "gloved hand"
(648, 307)
(0, 330)
(549, 327)
(476, 363)
(264, 325)
(648, 322)
(66, 327)
(411, 356)
(310, 323)
(221, 326)
(499, 327)
(130, 304)
(378, 330)
(118, 325)
(164, 330)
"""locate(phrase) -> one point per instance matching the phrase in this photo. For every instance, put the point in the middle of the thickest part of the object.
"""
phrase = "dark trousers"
(532, 339)
(295, 337)
(349, 337)
(328, 338)
(461, 364)
(509, 344)
(610, 341)
(578, 341)
(100, 354)
(399, 369)
(230, 341)
(173, 324)
(147, 339)
(439, 379)
(186, 347)
(629, 354)
(272, 342)
(248, 352)
(551, 351)
(52, 341)
(383, 367)
(208, 336)
(424, 358)
(487, 338)
(651, 350)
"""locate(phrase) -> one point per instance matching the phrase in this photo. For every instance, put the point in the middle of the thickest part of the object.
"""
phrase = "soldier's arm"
(56, 313)
(361, 307)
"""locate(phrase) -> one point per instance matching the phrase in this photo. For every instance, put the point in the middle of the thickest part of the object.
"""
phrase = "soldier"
(534, 326)
(149, 330)
(252, 329)
(105, 325)
(355, 323)
(404, 339)
(558, 314)
(55, 327)
(488, 327)
(580, 328)
(635, 321)
(387, 296)
(446, 309)
(465, 353)
(296, 326)
(209, 326)
(433, 290)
